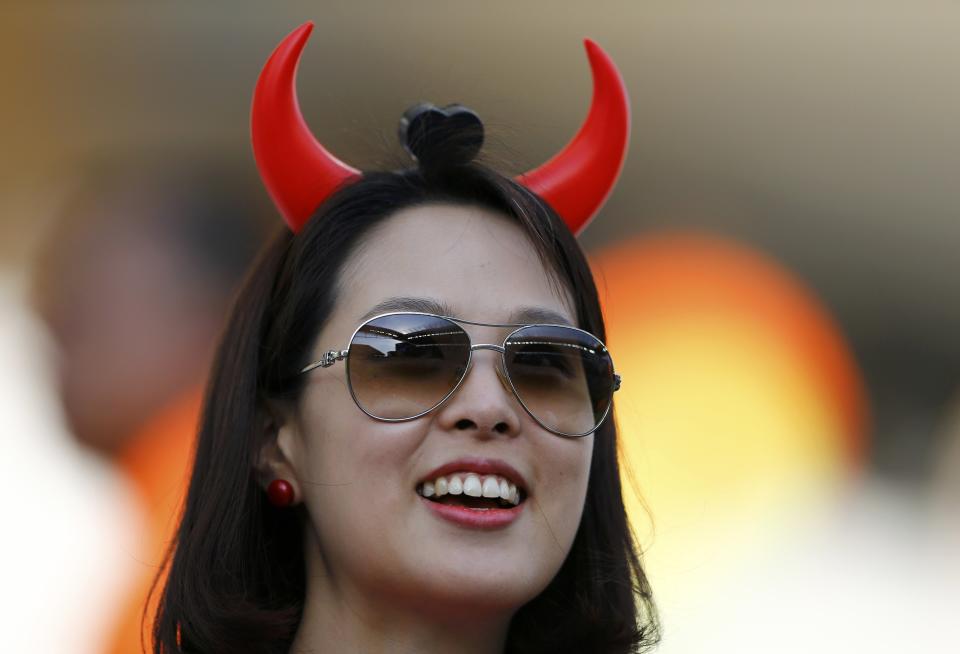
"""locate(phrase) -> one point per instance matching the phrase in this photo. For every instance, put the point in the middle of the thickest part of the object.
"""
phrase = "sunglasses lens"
(563, 376)
(402, 365)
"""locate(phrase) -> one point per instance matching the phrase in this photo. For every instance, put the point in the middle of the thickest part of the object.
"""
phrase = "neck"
(339, 618)
(346, 631)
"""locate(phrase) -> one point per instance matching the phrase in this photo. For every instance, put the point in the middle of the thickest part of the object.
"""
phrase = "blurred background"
(778, 267)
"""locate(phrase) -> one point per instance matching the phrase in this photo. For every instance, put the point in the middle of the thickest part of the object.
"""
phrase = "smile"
(471, 490)
(474, 493)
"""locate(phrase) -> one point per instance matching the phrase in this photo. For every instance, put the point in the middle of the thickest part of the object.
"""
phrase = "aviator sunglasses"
(403, 365)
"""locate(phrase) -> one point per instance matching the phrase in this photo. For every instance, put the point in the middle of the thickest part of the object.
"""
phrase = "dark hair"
(236, 569)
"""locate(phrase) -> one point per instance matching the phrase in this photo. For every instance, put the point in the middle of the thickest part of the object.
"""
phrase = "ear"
(281, 453)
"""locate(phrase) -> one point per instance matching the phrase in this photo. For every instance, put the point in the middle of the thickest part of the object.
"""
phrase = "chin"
(474, 583)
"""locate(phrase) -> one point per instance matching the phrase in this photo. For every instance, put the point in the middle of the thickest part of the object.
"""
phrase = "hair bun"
(446, 136)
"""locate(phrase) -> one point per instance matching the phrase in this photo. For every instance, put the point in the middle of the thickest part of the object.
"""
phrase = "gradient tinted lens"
(403, 365)
(563, 376)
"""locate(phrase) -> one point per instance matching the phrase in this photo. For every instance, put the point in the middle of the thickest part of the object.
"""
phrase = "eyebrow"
(418, 304)
(529, 315)
(521, 316)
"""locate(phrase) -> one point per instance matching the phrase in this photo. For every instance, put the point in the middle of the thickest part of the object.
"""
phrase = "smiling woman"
(405, 445)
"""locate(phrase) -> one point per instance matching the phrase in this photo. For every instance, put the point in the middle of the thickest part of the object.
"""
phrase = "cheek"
(355, 473)
(342, 444)
(330, 428)
(566, 472)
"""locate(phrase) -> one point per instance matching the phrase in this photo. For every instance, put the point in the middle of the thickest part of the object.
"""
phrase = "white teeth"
(491, 487)
(471, 486)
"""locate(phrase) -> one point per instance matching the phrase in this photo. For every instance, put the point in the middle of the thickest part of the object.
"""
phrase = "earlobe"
(277, 461)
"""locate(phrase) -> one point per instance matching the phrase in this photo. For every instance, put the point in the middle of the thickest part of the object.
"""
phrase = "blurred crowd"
(110, 343)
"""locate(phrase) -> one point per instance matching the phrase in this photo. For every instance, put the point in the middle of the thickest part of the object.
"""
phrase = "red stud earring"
(280, 493)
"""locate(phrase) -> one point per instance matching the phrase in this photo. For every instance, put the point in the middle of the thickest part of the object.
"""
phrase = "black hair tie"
(435, 136)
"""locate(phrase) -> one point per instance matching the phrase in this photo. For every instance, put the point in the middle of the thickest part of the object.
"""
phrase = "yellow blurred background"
(777, 266)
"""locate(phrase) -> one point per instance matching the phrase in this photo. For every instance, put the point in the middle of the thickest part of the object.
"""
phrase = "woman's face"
(373, 534)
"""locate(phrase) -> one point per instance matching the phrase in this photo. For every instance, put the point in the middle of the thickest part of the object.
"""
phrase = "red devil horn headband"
(300, 173)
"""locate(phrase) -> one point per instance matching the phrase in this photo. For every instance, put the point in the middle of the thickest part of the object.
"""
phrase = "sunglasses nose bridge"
(487, 346)
(498, 367)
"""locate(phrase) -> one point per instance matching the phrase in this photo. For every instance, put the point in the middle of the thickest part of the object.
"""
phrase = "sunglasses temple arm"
(328, 360)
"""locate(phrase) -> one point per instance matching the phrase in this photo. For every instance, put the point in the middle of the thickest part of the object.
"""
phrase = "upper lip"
(481, 466)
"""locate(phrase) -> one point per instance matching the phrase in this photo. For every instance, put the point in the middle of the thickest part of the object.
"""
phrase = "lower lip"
(474, 518)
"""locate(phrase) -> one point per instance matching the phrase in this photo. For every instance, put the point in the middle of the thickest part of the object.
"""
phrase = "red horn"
(298, 172)
(577, 181)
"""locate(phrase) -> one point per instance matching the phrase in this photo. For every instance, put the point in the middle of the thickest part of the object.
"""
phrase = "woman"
(406, 444)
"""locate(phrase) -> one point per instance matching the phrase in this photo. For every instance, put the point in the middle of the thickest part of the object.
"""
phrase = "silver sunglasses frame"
(332, 356)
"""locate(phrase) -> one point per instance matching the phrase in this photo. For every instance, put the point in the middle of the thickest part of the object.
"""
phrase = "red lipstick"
(474, 518)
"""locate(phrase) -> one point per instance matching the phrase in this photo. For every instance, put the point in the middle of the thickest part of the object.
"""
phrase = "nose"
(484, 404)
